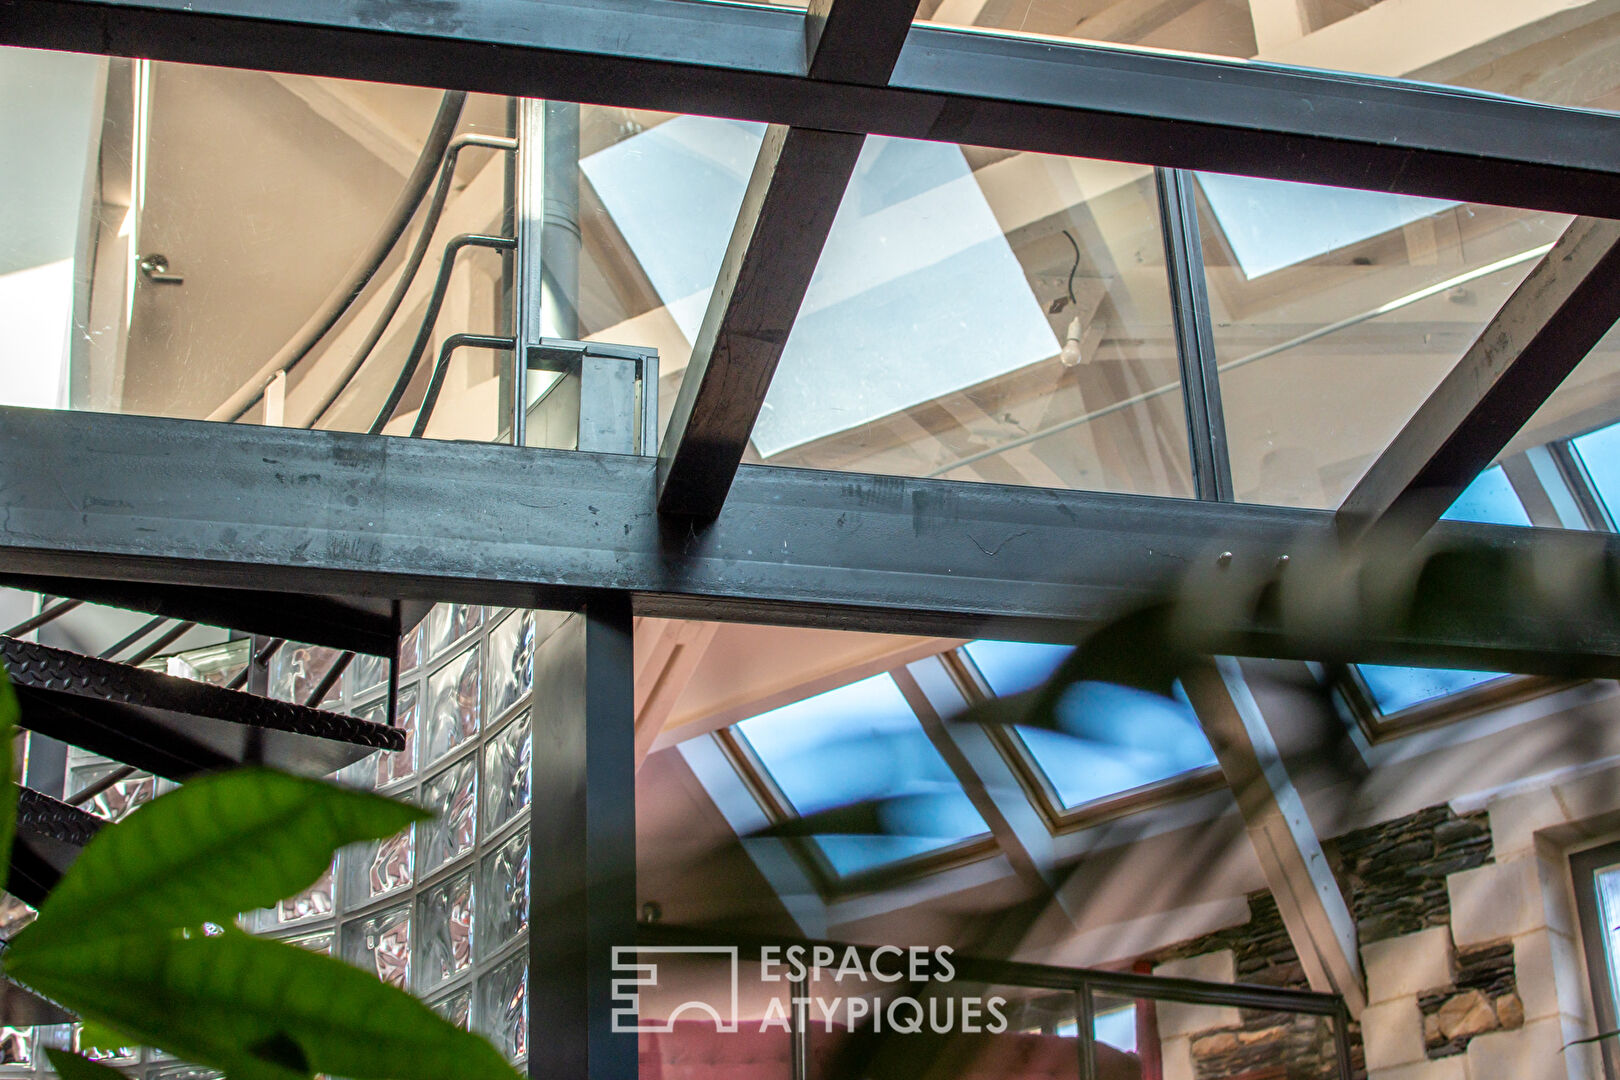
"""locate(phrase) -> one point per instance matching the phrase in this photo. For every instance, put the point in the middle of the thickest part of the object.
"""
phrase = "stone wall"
(1429, 995)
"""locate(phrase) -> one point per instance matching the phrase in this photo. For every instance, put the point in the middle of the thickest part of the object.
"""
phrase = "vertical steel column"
(583, 842)
(1195, 337)
(560, 240)
(526, 290)
(1085, 1030)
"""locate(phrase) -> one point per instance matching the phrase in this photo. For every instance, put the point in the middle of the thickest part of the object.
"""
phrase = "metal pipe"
(364, 268)
(559, 223)
(329, 680)
(436, 301)
(131, 638)
(1271, 350)
(49, 614)
(424, 238)
(451, 344)
(96, 787)
(161, 643)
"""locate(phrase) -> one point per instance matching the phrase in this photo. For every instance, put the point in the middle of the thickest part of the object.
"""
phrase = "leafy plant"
(139, 938)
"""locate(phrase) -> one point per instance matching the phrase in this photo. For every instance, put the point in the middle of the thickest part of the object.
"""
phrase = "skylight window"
(1599, 453)
(1111, 739)
(1272, 224)
(856, 743)
(917, 293)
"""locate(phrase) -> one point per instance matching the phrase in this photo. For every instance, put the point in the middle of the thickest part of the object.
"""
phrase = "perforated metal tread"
(40, 815)
(178, 727)
(50, 834)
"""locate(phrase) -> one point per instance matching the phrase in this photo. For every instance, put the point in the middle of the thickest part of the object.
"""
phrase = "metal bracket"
(618, 391)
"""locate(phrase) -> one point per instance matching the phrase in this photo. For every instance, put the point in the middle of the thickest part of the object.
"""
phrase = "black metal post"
(1195, 336)
(583, 854)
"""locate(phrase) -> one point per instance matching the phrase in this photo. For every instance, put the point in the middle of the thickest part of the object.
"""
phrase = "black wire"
(1075, 268)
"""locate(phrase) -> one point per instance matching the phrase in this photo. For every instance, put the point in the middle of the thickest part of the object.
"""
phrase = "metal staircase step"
(50, 835)
(354, 623)
(175, 727)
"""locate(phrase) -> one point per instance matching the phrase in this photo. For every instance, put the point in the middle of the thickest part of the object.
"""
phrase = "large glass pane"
(1213, 1041)
(1538, 49)
(177, 225)
(977, 314)
(1337, 312)
(856, 743)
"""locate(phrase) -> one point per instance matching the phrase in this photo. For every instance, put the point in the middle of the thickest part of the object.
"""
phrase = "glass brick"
(184, 1072)
(410, 650)
(16, 1045)
(296, 670)
(386, 767)
(453, 706)
(445, 930)
(503, 1013)
(456, 1007)
(511, 661)
(107, 1055)
(312, 903)
(376, 868)
(453, 796)
(14, 915)
(320, 941)
(503, 894)
(366, 673)
(507, 772)
(448, 623)
(116, 802)
(381, 944)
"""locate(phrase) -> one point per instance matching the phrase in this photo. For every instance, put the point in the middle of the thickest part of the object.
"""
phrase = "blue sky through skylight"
(1113, 739)
(859, 742)
(1599, 451)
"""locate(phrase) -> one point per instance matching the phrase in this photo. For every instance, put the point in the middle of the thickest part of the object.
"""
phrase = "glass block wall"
(441, 909)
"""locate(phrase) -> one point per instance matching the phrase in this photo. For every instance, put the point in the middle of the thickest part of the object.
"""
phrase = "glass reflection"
(453, 796)
(507, 772)
(381, 943)
(1337, 312)
(511, 666)
(453, 705)
(503, 895)
(503, 1013)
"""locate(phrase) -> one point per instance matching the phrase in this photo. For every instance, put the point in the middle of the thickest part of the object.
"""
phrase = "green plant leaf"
(8, 789)
(218, 846)
(256, 1008)
(70, 1066)
(94, 1036)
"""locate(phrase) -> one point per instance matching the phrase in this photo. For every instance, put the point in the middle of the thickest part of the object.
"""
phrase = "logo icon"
(642, 962)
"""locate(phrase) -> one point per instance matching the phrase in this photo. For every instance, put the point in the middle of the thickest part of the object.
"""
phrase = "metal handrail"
(451, 344)
(435, 302)
(424, 237)
(341, 298)
(47, 615)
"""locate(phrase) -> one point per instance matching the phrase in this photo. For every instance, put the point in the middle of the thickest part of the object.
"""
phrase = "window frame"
(1038, 787)
(1583, 866)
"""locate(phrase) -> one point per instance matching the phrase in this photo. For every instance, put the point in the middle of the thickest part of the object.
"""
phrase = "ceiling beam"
(284, 510)
(1312, 906)
(982, 89)
(788, 209)
(1553, 319)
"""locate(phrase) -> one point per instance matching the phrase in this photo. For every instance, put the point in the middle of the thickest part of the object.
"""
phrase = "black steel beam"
(282, 510)
(787, 211)
(1553, 319)
(799, 179)
(50, 835)
(178, 728)
(582, 907)
(1023, 94)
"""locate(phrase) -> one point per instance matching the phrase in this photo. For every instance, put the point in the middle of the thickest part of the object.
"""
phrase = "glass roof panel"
(1599, 453)
(1489, 499)
(1544, 50)
(856, 743)
(1337, 312)
(1110, 740)
(975, 314)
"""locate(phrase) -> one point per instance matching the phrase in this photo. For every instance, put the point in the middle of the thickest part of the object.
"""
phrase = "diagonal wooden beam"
(1313, 907)
(1552, 320)
(663, 672)
(787, 211)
